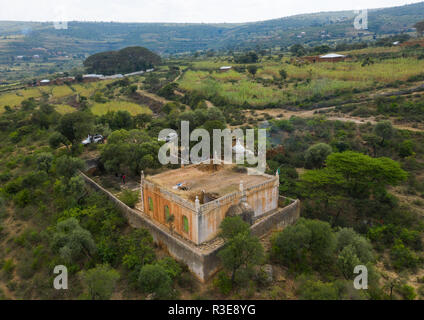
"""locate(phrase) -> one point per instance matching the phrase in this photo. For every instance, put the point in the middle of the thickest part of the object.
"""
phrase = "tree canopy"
(126, 60)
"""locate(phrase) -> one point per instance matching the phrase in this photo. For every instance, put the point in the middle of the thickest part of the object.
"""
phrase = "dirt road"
(286, 114)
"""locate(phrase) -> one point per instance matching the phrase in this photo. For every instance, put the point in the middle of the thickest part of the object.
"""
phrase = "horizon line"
(211, 23)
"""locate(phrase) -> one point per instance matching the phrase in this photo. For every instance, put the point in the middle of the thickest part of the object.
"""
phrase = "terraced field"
(132, 108)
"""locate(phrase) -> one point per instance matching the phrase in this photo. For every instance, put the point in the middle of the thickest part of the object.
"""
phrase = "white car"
(98, 138)
(93, 139)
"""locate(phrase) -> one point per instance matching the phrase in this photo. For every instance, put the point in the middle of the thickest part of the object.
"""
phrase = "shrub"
(22, 198)
(129, 197)
(407, 292)
(223, 283)
(100, 282)
(153, 279)
(317, 290)
(8, 266)
(172, 267)
(315, 156)
(402, 257)
(308, 243)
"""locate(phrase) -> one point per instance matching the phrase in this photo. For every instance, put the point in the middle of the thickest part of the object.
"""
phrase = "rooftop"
(215, 180)
(332, 55)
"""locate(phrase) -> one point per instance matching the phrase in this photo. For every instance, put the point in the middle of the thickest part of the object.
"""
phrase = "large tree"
(307, 244)
(75, 125)
(72, 241)
(242, 250)
(349, 179)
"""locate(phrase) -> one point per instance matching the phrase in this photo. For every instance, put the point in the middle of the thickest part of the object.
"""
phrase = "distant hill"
(123, 61)
(20, 38)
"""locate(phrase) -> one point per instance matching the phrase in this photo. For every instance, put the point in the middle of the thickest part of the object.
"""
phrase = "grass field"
(13, 99)
(132, 108)
(304, 81)
(63, 108)
(247, 90)
(382, 71)
(61, 91)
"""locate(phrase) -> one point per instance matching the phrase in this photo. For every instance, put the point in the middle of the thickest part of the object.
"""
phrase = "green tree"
(406, 148)
(297, 50)
(252, 69)
(308, 243)
(347, 260)
(385, 130)
(75, 125)
(121, 120)
(129, 197)
(100, 281)
(364, 175)
(56, 139)
(317, 290)
(241, 250)
(153, 279)
(315, 155)
(283, 74)
(72, 242)
(68, 166)
(44, 161)
(132, 150)
(402, 257)
(361, 247)
(137, 250)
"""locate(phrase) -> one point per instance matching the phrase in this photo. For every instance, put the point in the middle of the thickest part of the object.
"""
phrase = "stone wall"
(277, 220)
(203, 263)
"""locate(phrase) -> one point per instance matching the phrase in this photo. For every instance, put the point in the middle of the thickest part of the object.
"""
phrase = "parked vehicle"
(97, 138)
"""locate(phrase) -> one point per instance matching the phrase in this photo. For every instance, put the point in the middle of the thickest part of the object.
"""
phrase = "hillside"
(346, 137)
(169, 38)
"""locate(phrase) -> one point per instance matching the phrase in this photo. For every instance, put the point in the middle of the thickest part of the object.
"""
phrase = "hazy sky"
(175, 10)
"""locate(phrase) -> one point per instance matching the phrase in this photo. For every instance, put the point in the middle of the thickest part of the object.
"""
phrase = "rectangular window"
(185, 224)
(166, 213)
(150, 204)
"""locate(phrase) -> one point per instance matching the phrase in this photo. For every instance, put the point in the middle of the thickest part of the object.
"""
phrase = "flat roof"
(332, 55)
(219, 181)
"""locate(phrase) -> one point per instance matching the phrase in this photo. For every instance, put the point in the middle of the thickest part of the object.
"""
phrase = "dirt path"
(209, 104)
(153, 96)
(286, 114)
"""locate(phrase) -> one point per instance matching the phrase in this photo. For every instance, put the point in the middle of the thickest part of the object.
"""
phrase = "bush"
(153, 279)
(407, 292)
(22, 198)
(223, 283)
(100, 282)
(308, 243)
(317, 290)
(129, 197)
(172, 267)
(315, 156)
(402, 257)
(8, 266)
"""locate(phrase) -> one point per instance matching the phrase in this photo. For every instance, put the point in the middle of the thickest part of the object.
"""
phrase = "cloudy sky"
(175, 10)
